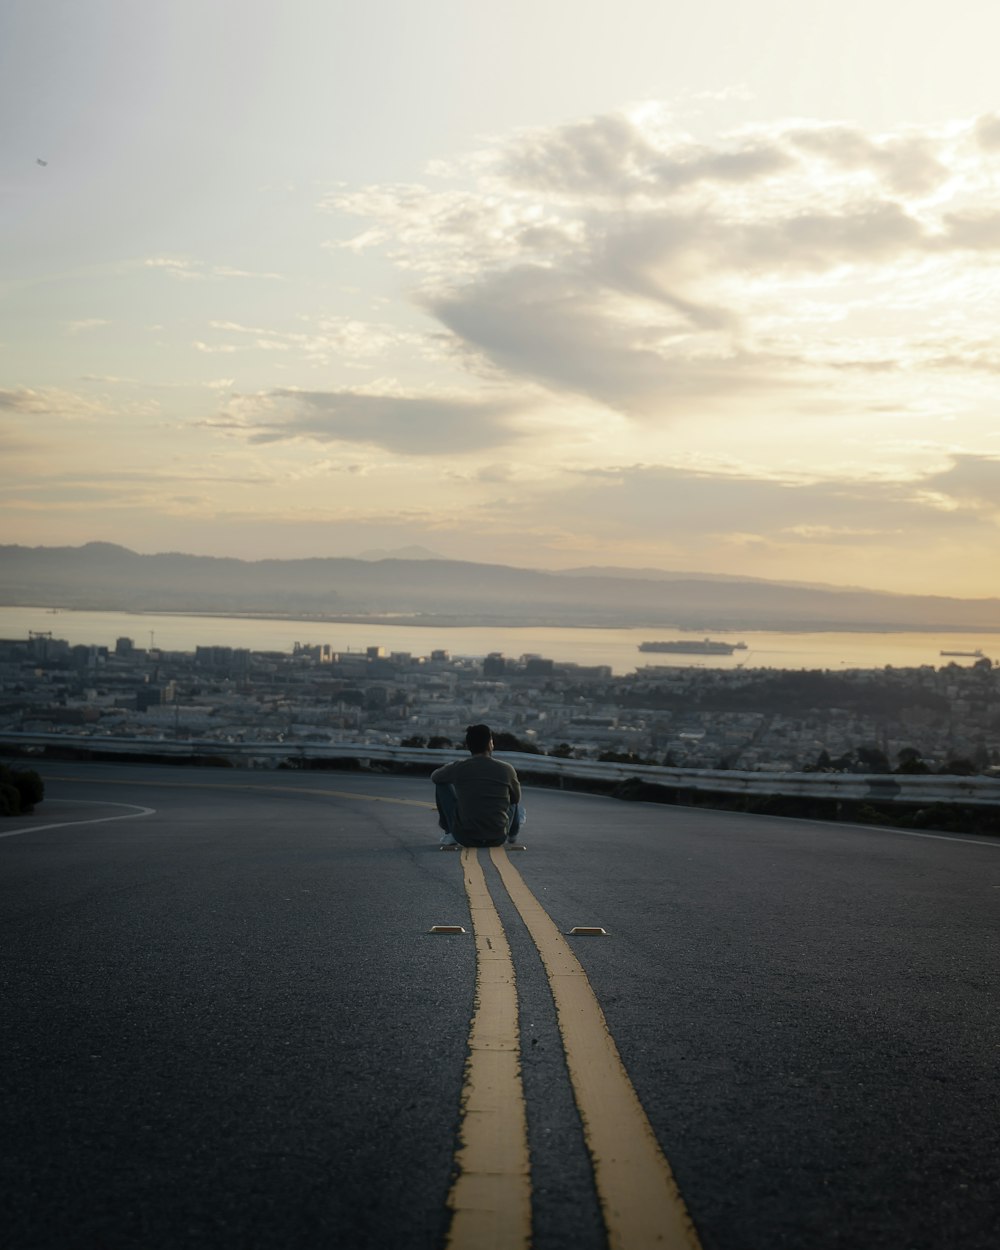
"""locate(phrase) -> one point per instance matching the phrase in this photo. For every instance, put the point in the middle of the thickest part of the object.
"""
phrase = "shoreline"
(450, 621)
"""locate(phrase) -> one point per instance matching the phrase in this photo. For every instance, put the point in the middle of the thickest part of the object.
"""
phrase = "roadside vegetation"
(20, 790)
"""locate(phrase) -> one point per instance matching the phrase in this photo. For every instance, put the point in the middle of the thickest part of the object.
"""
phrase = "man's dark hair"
(477, 738)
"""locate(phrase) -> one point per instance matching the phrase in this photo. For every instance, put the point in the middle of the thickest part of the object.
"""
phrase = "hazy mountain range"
(104, 576)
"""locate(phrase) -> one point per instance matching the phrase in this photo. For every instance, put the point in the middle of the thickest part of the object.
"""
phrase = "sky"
(709, 288)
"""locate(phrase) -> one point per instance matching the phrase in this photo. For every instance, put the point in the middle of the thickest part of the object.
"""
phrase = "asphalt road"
(225, 1023)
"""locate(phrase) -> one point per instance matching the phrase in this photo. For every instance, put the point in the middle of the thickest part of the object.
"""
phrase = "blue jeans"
(447, 805)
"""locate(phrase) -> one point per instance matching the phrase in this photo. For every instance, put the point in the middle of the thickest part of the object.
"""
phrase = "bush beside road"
(20, 790)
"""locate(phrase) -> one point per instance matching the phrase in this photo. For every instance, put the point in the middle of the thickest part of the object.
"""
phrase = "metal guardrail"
(975, 791)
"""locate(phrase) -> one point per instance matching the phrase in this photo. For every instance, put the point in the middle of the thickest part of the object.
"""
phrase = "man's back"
(485, 789)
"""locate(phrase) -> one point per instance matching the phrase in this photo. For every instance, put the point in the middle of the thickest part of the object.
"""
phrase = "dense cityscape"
(864, 720)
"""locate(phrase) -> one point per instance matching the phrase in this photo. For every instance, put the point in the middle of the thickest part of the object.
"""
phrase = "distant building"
(536, 666)
(222, 659)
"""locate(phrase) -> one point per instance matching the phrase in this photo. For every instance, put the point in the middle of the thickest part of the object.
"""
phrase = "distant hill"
(666, 575)
(400, 553)
(105, 576)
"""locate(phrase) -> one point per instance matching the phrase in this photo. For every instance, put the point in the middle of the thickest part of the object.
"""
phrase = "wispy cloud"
(351, 341)
(186, 269)
(415, 425)
(51, 402)
(86, 323)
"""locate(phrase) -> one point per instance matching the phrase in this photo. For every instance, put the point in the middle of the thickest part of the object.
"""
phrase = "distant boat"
(681, 646)
(969, 655)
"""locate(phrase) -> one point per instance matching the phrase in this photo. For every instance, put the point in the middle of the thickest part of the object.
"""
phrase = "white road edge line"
(134, 814)
(984, 840)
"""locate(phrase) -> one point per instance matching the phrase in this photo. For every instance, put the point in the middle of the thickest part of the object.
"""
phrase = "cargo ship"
(681, 646)
(969, 655)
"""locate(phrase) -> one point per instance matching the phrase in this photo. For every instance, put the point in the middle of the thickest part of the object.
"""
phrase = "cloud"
(612, 155)
(908, 163)
(545, 327)
(967, 356)
(659, 276)
(221, 349)
(970, 482)
(975, 230)
(414, 425)
(708, 517)
(187, 270)
(327, 337)
(987, 132)
(87, 323)
(50, 401)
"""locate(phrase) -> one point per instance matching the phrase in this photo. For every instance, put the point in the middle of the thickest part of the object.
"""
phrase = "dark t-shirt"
(485, 788)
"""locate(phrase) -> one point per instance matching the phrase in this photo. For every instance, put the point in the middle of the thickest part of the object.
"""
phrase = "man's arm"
(441, 776)
(515, 786)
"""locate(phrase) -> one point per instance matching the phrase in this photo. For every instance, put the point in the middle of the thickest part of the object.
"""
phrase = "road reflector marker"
(516, 846)
(446, 928)
(588, 931)
(450, 846)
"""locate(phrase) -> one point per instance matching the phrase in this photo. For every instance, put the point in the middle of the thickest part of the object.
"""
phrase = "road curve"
(227, 1023)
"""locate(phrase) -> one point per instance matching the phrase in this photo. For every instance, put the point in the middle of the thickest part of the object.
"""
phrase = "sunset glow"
(563, 287)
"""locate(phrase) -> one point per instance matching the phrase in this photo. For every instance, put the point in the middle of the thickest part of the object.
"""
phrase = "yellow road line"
(639, 1198)
(491, 1196)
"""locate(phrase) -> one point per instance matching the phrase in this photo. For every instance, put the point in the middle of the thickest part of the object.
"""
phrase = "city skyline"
(707, 291)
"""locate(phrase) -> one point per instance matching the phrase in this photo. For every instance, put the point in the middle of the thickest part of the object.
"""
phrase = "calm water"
(617, 647)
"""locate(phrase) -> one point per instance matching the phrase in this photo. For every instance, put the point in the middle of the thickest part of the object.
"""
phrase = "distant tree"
(563, 751)
(623, 757)
(823, 762)
(959, 767)
(911, 762)
(504, 741)
(416, 740)
(873, 760)
(438, 743)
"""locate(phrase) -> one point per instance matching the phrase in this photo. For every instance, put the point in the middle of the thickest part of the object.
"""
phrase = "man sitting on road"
(477, 798)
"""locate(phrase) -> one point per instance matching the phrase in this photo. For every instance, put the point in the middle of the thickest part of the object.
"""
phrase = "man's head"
(479, 739)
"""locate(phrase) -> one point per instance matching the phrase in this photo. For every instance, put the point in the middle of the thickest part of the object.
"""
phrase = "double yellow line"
(491, 1197)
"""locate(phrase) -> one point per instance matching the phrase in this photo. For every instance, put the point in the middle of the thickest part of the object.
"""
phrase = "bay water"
(617, 648)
